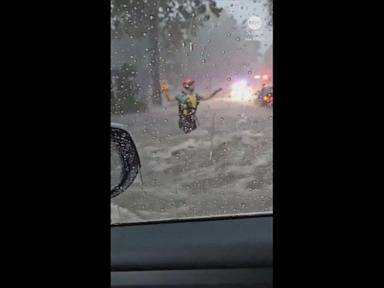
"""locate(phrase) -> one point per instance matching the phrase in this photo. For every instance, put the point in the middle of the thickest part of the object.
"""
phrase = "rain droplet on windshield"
(229, 79)
(237, 38)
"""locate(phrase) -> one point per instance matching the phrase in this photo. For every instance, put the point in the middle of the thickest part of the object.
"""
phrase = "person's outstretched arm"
(165, 92)
(212, 95)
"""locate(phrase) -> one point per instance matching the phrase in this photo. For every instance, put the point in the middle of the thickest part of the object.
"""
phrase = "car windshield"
(186, 77)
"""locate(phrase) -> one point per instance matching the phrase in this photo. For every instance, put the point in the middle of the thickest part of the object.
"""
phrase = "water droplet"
(249, 72)
(229, 79)
(243, 205)
(237, 38)
(223, 52)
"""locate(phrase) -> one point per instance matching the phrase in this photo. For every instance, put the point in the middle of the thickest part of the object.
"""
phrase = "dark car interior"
(233, 252)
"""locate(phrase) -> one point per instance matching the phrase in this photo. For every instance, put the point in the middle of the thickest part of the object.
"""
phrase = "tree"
(270, 12)
(159, 19)
(124, 90)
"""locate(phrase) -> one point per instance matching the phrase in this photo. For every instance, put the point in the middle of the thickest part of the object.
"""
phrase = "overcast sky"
(240, 9)
(243, 9)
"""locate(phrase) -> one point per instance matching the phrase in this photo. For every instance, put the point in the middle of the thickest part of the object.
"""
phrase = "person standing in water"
(188, 101)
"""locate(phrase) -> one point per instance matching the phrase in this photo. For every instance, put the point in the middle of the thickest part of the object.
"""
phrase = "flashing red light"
(267, 98)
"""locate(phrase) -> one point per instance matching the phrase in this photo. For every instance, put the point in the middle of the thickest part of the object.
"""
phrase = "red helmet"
(188, 82)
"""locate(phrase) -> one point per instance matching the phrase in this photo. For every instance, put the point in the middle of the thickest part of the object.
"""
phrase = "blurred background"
(225, 165)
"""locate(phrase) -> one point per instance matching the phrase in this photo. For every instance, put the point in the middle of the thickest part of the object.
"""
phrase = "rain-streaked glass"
(222, 163)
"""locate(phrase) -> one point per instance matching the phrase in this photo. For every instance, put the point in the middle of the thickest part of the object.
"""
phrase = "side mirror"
(125, 161)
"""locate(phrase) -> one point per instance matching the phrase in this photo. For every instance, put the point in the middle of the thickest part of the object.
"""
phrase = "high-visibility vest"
(190, 105)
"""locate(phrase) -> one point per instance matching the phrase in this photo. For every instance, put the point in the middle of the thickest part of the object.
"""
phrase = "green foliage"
(124, 91)
(178, 20)
(159, 20)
